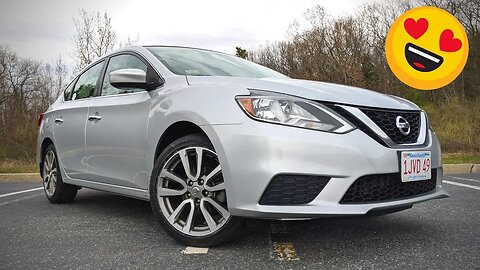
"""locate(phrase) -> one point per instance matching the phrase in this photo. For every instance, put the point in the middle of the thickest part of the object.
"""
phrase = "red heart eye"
(448, 43)
(416, 29)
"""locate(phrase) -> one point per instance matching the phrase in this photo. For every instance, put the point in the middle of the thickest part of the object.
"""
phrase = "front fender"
(199, 105)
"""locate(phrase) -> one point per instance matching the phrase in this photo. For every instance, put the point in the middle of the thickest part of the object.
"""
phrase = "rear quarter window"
(67, 94)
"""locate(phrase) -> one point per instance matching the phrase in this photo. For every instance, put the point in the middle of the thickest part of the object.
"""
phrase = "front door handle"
(94, 117)
(58, 120)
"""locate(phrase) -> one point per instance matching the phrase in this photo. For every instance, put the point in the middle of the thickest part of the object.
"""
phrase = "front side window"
(124, 61)
(85, 86)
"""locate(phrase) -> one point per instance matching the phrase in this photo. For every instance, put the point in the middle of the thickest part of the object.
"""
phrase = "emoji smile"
(421, 59)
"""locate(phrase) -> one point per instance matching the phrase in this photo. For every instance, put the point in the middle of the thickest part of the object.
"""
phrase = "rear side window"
(121, 62)
(85, 86)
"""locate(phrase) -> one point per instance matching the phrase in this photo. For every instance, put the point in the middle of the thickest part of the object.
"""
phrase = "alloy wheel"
(191, 192)
(50, 173)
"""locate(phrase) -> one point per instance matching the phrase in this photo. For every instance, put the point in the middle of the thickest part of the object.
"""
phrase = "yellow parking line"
(278, 227)
(285, 251)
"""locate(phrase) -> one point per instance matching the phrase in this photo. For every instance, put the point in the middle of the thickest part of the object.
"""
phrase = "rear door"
(116, 138)
(70, 119)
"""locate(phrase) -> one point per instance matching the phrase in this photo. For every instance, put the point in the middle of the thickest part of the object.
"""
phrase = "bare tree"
(60, 75)
(94, 37)
(130, 41)
(27, 87)
(3, 65)
(347, 50)
(350, 49)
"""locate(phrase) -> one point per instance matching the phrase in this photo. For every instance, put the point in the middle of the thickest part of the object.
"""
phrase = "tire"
(192, 208)
(55, 189)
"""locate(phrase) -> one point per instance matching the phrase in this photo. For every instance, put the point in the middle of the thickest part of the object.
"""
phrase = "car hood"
(312, 90)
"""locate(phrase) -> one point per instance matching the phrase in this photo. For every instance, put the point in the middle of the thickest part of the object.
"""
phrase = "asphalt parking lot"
(104, 231)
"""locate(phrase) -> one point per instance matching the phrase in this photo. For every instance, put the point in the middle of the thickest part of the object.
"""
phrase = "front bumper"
(252, 153)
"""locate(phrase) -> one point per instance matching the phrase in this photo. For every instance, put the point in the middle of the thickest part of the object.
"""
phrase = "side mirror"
(133, 78)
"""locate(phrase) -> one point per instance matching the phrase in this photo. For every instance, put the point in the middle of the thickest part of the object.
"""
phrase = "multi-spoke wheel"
(55, 189)
(50, 173)
(188, 193)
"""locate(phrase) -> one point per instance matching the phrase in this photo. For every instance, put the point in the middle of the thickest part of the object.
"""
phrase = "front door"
(116, 139)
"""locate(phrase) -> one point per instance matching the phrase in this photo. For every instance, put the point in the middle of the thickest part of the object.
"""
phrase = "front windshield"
(197, 62)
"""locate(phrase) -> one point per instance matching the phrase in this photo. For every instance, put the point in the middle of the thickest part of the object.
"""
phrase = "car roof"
(182, 47)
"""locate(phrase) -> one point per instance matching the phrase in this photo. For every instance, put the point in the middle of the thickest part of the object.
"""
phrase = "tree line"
(347, 50)
(350, 49)
(28, 87)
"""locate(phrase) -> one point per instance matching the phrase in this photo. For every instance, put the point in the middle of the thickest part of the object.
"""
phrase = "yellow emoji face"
(426, 48)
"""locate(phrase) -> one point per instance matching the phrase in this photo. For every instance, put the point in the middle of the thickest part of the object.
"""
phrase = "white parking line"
(195, 250)
(466, 179)
(20, 192)
(19, 199)
(461, 185)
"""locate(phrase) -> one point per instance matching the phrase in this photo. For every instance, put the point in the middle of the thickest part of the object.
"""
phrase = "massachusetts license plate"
(415, 165)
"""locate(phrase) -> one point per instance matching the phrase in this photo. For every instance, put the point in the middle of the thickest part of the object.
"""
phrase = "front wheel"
(188, 195)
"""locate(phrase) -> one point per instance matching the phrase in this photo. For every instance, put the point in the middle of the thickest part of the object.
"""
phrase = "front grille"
(386, 187)
(293, 189)
(386, 120)
(357, 123)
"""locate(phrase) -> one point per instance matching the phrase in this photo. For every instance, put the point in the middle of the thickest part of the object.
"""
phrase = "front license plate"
(416, 165)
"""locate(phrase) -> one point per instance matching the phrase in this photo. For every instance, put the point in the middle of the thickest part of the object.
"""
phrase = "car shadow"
(139, 214)
(327, 234)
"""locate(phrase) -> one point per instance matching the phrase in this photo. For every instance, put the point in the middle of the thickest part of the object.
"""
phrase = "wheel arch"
(175, 131)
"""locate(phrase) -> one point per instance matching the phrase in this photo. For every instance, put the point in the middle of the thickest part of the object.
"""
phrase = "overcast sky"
(43, 29)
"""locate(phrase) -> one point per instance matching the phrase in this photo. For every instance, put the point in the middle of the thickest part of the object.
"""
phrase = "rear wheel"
(188, 194)
(55, 190)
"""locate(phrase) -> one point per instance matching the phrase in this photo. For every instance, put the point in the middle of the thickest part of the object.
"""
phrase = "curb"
(20, 177)
(461, 168)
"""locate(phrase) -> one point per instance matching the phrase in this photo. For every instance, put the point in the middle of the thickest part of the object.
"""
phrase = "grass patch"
(14, 166)
(457, 124)
(461, 158)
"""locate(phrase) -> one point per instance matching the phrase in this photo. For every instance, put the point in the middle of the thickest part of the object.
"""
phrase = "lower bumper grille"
(293, 189)
(386, 187)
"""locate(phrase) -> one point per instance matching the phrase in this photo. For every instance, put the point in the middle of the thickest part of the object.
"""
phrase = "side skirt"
(119, 190)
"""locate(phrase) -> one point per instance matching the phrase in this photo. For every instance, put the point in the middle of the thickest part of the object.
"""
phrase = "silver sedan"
(209, 139)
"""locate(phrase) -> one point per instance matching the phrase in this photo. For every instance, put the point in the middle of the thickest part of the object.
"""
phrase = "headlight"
(292, 111)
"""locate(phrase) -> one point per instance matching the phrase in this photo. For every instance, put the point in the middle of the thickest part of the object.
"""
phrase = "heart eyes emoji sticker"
(426, 48)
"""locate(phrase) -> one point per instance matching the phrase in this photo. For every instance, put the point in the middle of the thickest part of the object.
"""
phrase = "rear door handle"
(58, 120)
(94, 117)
